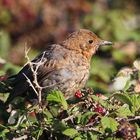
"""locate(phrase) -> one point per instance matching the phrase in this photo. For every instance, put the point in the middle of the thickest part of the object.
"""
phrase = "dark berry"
(99, 110)
(78, 94)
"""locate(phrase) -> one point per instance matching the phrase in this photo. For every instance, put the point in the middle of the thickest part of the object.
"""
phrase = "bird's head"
(85, 42)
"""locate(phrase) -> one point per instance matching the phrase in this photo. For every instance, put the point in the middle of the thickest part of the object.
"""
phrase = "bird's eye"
(90, 41)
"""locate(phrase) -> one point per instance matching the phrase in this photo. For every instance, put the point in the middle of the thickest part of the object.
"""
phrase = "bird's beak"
(103, 43)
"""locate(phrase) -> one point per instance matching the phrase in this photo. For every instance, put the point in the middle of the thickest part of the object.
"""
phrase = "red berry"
(3, 77)
(99, 110)
(98, 94)
(32, 114)
(78, 94)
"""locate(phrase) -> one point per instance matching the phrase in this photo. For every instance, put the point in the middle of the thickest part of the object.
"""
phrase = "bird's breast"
(70, 74)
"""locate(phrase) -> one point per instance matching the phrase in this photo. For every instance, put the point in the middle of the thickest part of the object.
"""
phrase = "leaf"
(70, 132)
(4, 132)
(102, 102)
(109, 123)
(77, 138)
(123, 98)
(85, 117)
(57, 96)
(48, 115)
(138, 131)
(54, 110)
(92, 136)
(124, 112)
(136, 104)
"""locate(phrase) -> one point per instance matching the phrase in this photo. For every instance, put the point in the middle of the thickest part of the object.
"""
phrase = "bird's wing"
(43, 64)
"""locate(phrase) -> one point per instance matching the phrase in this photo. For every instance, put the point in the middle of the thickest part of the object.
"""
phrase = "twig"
(37, 88)
(70, 117)
(76, 104)
(79, 128)
(134, 118)
(30, 83)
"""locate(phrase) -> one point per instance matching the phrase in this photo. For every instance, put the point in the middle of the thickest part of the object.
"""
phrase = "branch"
(79, 128)
(34, 84)
(70, 117)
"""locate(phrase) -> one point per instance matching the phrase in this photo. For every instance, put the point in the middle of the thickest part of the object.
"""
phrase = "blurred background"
(37, 23)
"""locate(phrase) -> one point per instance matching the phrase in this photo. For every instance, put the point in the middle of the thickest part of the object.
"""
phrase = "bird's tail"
(7, 85)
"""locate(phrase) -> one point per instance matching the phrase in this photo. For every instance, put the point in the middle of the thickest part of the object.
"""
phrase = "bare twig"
(134, 118)
(76, 104)
(70, 117)
(30, 83)
(79, 128)
(34, 84)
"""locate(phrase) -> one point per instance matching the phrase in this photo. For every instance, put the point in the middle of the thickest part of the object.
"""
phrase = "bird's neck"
(75, 48)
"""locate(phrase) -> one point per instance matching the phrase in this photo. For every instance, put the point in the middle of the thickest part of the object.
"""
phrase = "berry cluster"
(127, 131)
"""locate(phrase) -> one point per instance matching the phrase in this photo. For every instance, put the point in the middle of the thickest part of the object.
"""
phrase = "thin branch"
(70, 117)
(134, 118)
(30, 83)
(37, 88)
(129, 119)
(79, 128)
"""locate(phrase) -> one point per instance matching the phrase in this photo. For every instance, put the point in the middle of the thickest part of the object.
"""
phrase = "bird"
(65, 66)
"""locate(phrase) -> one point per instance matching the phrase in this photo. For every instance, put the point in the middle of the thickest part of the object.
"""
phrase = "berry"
(78, 94)
(32, 114)
(4, 77)
(98, 94)
(99, 110)
(91, 120)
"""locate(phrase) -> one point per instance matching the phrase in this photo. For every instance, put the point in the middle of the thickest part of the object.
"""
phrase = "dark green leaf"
(85, 117)
(123, 98)
(57, 96)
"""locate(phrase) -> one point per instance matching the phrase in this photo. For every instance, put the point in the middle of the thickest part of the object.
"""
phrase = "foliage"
(89, 116)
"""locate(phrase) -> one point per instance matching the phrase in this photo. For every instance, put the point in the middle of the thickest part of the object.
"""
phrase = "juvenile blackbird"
(65, 66)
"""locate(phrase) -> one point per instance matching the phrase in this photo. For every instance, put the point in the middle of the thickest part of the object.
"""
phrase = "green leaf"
(92, 136)
(48, 115)
(77, 138)
(127, 85)
(85, 117)
(4, 132)
(102, 102)
(109, 123)
(124, 112)
(54, 110)
(138, 131)
(123, 98)
(135, 102)
(70, 132)
(57, 96)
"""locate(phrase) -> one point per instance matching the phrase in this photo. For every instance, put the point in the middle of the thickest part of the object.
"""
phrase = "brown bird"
(65, 66)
